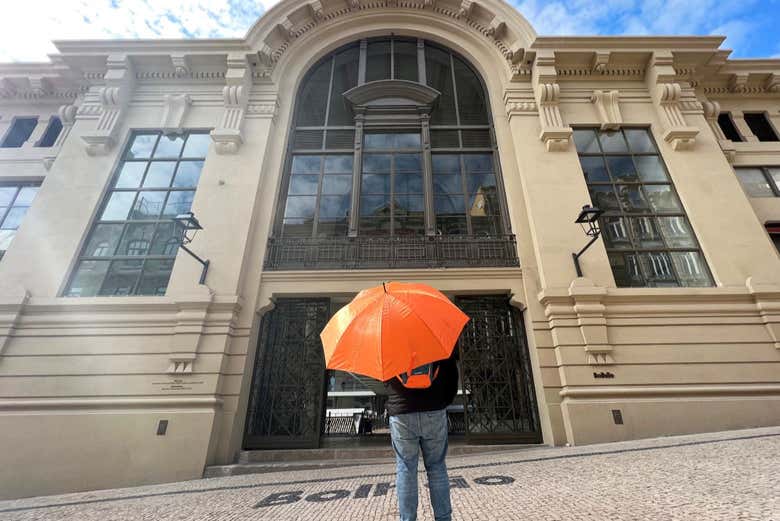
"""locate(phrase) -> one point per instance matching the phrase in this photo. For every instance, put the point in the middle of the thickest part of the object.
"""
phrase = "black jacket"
(439, 395)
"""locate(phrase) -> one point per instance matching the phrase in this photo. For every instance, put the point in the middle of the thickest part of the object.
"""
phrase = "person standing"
(418, 420)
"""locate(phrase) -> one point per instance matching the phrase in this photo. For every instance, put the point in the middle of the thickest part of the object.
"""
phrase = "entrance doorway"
(295, 403)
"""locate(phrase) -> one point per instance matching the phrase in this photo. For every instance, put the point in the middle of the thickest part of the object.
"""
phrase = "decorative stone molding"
(678, 133)
(590, 309)
(316, 9)
(767, 299)
(738, 82)
(114, 97)
(67, 115)
(555, 135)
(263, 110)
(11, 309)
(227, 136)
(496, 27)
(181, 65)
(519, 103)
(174, 110)
(772, 83)
(600, 61)
(711, 113)
(466, 7)
(607, 105)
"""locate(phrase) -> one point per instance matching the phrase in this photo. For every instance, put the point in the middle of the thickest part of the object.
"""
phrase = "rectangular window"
(647, 235)
(19, 133)
(760, 126)
(760, 181)
(133, 242)
(773, 228)
(15, 200)
(727, 126)
(51, 133)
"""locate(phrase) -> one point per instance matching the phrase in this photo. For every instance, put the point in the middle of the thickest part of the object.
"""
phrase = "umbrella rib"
(412, 310)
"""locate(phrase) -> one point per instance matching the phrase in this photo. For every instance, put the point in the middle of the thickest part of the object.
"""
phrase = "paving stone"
(718, 476)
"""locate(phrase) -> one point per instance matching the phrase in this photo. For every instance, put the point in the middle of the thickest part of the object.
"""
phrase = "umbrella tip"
(384, 287)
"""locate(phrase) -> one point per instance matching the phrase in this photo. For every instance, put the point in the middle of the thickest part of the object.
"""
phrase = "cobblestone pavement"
(721, 476)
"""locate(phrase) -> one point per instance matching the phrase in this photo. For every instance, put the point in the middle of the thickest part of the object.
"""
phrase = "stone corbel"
(285, 28)
(738, 82)
(11, 310)
(598, 64)
(466, 8)
(188, 331)
(555, 135)
(496, 27)
(678, 133)
(181, 64)
(608, 107)
(591, 317)
(767, 299)
(316, 10)
(772, 83)
(227, 136)
(7, 88)
(711, 113)
(114, 97)
(67, 115)
(174, 110)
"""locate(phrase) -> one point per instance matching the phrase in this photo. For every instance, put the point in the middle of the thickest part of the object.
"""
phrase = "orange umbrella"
(391, 329)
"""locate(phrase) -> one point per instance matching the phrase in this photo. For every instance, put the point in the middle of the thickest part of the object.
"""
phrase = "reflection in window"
(15, 200)
(132, 245)
(759, 181)
(646, 232)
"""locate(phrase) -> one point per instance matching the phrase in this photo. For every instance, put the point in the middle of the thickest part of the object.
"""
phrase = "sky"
(26, 30)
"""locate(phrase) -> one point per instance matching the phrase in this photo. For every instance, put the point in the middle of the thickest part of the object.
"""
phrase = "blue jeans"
(410, 432)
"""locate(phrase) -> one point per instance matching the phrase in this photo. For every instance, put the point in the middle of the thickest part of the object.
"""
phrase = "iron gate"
(288, 382)
(499, 398)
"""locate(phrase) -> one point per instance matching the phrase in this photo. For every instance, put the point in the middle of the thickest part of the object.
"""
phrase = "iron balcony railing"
(441, 251)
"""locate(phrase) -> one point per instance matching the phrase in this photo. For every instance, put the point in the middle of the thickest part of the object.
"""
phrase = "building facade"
(343, 143)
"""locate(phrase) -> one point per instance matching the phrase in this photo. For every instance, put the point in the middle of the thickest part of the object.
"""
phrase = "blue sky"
(26, 30)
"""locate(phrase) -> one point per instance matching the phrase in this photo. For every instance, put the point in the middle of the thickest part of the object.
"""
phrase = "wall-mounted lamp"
(588, 219)
(186, 223)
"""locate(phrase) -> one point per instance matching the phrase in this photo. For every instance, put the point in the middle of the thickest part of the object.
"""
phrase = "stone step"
(265, 461)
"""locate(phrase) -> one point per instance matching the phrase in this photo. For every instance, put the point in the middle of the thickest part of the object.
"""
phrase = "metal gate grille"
(496, 373)
(286, 398)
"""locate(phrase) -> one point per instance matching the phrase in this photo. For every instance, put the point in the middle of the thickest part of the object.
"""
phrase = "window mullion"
(430, 217)
(357, 174)
(362, 61)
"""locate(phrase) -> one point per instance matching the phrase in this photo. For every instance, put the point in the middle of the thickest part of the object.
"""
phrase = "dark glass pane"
(374, 163)
(445, 139)
(178, 202)
(586, 142)
(26, 195)
(121, 278)
(774, 174)
(476, 139)
(7, 195)
(726, 124)
(449, 205)
(87, 279)
(625, 268)
(646, 234)
(375, 226)
(760, 126)
(154, 280)
(651, 169)
(392, 141)
(410, 226)
(169, 147)
(471, 98)
(480, 182)
(622, 169)
(408, 163)
(485, 225)
(451, 225)
(334, 207)
(375, 205)
(14, 217)
(375, 184)
(447, 184)
(53, 130)
(345, 76)
(603, 197)
(405, 60)
(446, 164)
(166, 239)
(307, 139)
(297, 227)
(337, 184)
(631, 198)
(439, 76)
(691, 268)
(478, 162)
(148, 205)
(20, 132)
(662, 198)
(313, 96)
(197, 145)
(407, 205)
(639, 140)
(615, 233)
(336, 139)
(159, 174)
(304, 184)
(612, 141)
(300, 207)
(657, 268)
(142, 146)
(188, 174)
(594, 169)
(306, 165)
(118, 206)
(332, 229)
(677, 232)
(131, 174)
(137, 239)
(754, 182)
(338, 164)
(104, 240)
(378, 60)
(408, 183)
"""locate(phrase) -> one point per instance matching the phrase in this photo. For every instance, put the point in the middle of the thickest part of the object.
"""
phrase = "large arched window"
(392, 137)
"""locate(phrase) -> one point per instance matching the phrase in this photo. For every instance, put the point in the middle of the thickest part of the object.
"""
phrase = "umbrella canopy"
(390, 329)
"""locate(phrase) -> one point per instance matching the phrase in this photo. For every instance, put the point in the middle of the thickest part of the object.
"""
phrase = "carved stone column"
(227, 136)
(114, 97)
